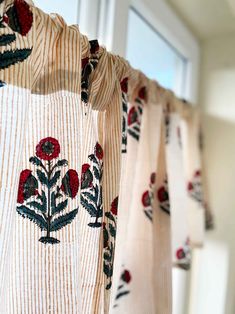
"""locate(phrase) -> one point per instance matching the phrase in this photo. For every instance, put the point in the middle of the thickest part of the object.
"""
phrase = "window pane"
(68, 11)
(149, 52)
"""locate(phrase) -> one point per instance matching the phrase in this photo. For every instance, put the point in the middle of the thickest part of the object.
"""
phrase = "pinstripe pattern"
(41, 99)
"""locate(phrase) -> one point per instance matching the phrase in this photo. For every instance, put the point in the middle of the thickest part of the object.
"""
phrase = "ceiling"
(207, 18)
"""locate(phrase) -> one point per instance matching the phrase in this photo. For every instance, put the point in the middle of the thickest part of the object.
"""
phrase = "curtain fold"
(100, 168)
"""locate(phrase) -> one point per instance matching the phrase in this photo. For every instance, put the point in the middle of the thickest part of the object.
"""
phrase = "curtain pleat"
(101, 175)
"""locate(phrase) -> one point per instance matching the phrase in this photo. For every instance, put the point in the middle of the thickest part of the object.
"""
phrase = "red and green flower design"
(195, 187)
(91, 188)
(147, 198)
(109, 236)
(123, 288)
(163, 197)
(124, 88)
(44, 206)
(19, 18)
(28, 186)
(135, 115)
(183, 255)
(88, 66)
(70, 183)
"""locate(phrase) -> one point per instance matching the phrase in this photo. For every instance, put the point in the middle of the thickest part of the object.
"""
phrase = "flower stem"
(49, 201)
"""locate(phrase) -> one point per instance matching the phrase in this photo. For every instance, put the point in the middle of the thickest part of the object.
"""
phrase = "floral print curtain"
(101, 180)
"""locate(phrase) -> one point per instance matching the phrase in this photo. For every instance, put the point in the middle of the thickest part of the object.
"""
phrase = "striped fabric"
(85, 217)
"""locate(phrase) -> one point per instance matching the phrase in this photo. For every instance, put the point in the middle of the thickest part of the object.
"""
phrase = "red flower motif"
(146, 200)
(48, 148)
(5, 19)
(142, 93)
(87, 177)
(190, 186)
(132, 116)
(153, 178)
(20, 17)
(114, 206)
(85, 167)
(180, 254)
(197, 173)
(124, 85)
(126, 276)
(162, 194)
(27, 186)
(99, 151)
(70, 183)
(85, 62)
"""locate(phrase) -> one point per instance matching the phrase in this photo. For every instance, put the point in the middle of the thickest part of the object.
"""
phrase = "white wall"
(214, 266)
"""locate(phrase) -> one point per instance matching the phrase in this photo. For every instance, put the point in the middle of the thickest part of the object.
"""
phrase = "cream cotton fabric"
(85, 224)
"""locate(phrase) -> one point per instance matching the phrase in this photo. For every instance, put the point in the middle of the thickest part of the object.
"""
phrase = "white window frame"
(112, 19)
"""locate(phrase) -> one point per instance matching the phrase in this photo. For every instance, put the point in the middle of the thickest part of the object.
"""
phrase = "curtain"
(100, 175)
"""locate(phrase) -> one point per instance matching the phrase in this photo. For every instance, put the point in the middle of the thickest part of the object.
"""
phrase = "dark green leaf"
(107, 257)
(140, 109)
(105, 235)
(50, 240)
(53, 181)
(149, 214)
(120, 287)
(2, 83)
(12, 57)
(93, 158)
(60, 207)
(90, 196)
(88, 206)
(108, 270)
(7, 39)
(62, 162)
(112, 231)
(36, 161)
(43, 199)
(31, 215)
(122, 294)
(136, 128)
(42, 177)
(109, 285)
(95, 224)
(133, 134)
(124, 106)
(110, 216)
(64, 220)
(96, 173)
(165, 209)
(53, 202)
(37, 206)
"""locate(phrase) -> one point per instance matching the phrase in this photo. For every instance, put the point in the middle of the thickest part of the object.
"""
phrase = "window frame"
(166, 22)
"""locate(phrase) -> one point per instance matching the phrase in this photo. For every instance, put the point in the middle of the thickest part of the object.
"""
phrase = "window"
(151, 53)
(68, 12)
(173, 59)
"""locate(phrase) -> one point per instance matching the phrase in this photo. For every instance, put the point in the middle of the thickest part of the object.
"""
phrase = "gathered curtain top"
(104, 80)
